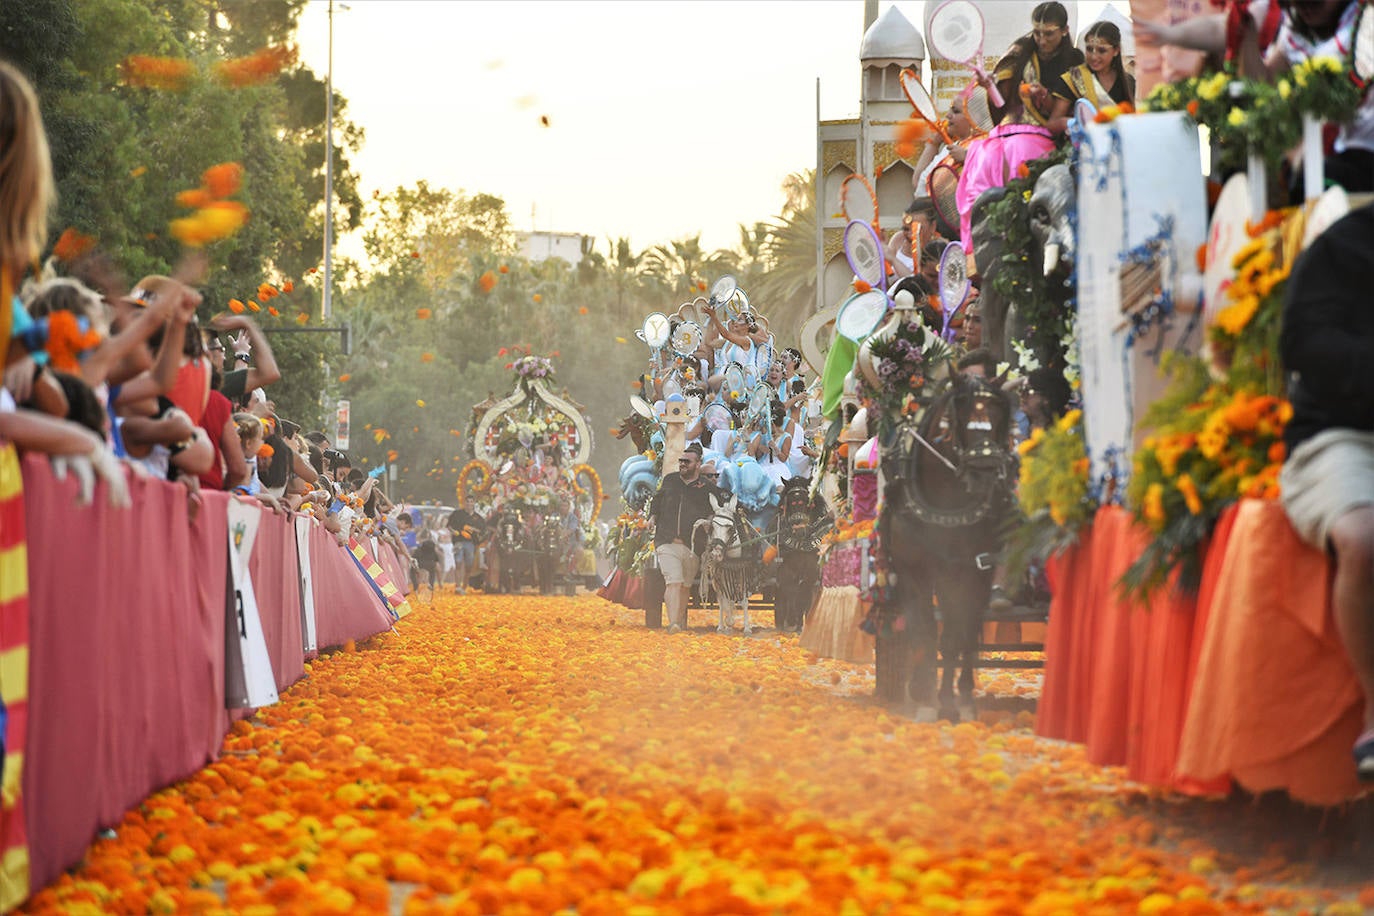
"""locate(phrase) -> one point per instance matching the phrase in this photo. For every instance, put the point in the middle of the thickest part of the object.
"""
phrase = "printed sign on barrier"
(302, 528)
(248, 678)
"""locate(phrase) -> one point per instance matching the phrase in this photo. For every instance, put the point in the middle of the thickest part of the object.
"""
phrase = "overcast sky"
(664, 118)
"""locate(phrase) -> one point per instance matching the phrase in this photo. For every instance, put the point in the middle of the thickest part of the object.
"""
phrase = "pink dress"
(992, 162)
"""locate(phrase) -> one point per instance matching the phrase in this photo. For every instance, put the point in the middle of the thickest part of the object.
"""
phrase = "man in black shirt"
(466, 528)
(1327, 343)
(683, 499)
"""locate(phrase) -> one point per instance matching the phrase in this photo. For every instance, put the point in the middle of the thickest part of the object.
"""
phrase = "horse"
(510, 544)
(550, 544)
(801, 522)
(726, 565)
(949, 479)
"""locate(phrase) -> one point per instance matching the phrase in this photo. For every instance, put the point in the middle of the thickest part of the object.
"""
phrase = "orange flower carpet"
(536, 755)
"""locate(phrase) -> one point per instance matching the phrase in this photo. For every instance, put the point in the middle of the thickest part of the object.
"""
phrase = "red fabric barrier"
(127, 654)
(1274, 702)
(276, 583)
(345, 606)
(1118, 673)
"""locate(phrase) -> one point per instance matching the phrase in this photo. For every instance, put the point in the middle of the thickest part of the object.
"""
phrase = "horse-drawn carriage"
(529, 476)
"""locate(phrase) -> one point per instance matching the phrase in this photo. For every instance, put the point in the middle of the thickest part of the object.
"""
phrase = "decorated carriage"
(529, 477)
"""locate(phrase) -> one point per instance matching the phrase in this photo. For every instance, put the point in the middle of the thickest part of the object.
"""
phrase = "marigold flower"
(423, 314)
(538, 298)
(255, 69)
(1185, 485)
(504, 269)
(222, 180)
(72, 245)
(426, 357)
(138, 172)
(302, 318)
(253, 306)
(193, 199)
(288, 287)
(583, 310)
(345, 377)
(392, 455)
(236, 306)
(419, 402)
(487, 281)
(272, 310)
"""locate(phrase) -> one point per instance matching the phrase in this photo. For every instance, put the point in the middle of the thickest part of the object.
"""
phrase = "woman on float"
(1101, 79)
(1020, 136)
(1027, 83)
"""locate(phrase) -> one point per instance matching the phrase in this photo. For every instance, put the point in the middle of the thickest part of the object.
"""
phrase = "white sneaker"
(722, 629)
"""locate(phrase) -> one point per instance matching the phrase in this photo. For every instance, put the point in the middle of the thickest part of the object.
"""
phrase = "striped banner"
(14, 681)
(391, 596)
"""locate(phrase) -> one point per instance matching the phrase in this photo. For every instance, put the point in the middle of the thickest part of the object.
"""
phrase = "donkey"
(727, 566)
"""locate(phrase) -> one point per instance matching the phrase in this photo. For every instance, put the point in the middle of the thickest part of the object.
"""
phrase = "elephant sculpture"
(1053, 249)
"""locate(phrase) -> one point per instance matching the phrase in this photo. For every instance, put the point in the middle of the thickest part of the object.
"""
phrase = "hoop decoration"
(956, 33)
(735, 383)
(642, 407)
(586, 482)
(722, 291)
(760, 398)
(864, 252)
(687, 338)
(655, 331)
(954, 284)
(925, 106)
(816, 336)
(716, 415)
(857, 200)
(473, 480)
(943, 188)
(860, 315)
(1333, 204)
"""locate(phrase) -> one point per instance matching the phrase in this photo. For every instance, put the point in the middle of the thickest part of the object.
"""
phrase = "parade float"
(529, 477)
(671, 399)
(1186, 615)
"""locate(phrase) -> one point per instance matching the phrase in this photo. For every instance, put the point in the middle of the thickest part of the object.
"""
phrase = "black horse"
(801, 522)
(949, 482)
(510, 543)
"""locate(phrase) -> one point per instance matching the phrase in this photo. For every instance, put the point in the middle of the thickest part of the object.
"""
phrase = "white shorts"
(677, 563)
(1325, 478)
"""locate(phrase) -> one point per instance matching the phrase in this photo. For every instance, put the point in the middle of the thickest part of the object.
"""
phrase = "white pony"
(730, 581)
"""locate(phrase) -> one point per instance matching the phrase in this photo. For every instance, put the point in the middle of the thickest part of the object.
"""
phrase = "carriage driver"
(683, 499)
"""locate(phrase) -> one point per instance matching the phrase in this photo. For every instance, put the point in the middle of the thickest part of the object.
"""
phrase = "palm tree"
(625, 268)
(789, 284)
(681, 267)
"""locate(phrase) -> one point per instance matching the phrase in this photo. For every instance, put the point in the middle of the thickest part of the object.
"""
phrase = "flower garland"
(904, 361)
(1246, 115)
(465, 490)
(1217, 439)
(593, 486)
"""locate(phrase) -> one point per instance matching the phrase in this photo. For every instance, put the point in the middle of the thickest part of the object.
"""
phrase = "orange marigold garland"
(255, 69)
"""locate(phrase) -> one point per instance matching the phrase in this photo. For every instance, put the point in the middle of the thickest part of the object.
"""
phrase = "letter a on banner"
(248, 679)
(303, 526)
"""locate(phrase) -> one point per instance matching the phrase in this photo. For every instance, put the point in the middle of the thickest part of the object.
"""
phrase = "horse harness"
(907, 452)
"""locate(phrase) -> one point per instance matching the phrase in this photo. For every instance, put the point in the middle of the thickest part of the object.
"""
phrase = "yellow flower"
(1285, 89)
(1154, 505)
(1236, 118)
(1190, 496)
(1069, 420)
(1234, 318)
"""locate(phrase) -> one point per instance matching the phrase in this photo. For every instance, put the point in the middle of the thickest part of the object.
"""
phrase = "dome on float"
(892, 37)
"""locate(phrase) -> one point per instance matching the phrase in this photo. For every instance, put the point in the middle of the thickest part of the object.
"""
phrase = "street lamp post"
(327, 305)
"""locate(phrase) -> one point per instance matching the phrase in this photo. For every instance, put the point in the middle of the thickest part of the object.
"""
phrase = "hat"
(694, 448)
